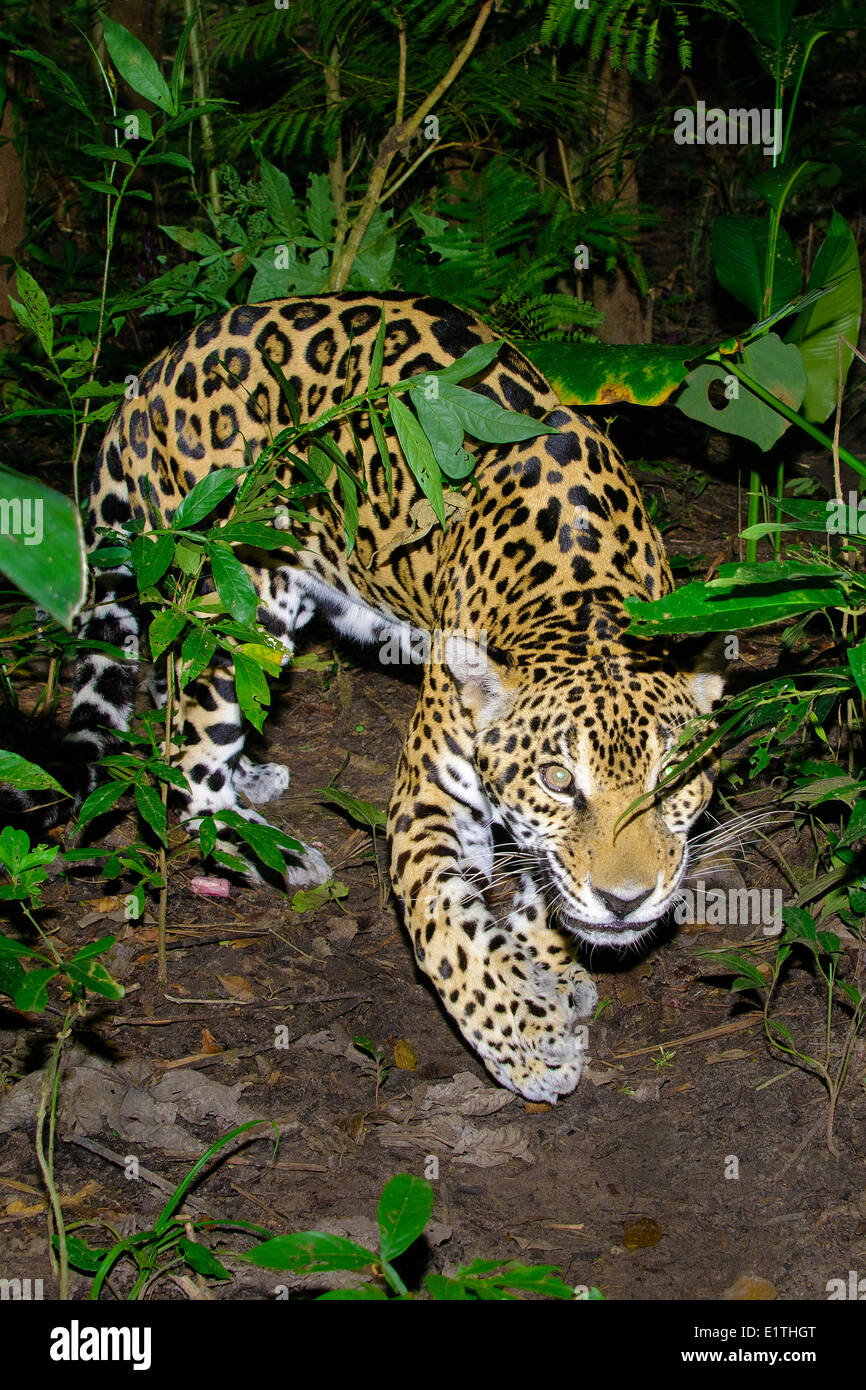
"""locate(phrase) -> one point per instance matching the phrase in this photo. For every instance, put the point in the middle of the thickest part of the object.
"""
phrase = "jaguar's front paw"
(542, 1055)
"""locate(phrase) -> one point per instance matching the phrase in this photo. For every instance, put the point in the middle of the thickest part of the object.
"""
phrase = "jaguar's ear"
(479, 677)
(706, 672)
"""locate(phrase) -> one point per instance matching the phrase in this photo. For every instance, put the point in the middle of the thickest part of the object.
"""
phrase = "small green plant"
(824, 949)
(26, 869)
(169, 1245)
(376, 1063)
(404, 1210)
(664, 1058)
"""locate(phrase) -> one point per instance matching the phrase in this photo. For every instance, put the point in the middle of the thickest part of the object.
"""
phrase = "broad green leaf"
(363, 811)
(471, 363)
(37, 316)
(100, 801)
(265, 840)
(375, 256)
(197, 242)
(404, 1210)
(775, 365)
(95, 977)
(151, 557)
(137, 66)
(41, 545)
(419, 456)
(198, 647)
(704, 608)
(151, 809)
(18, 772)
(31, 997)
(599, 374)
(320, 209)
(310, 1252)
(252, 690)
(11, 975)
(740, 252)
(857, 663)
(445, 433)
(279, 198)
(165, 629)
(207, 494)
(817, 329)
(486, 419)
(311, 899)
(202, 1260)
(233, 583)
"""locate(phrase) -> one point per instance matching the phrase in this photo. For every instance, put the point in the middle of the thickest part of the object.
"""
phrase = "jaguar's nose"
(622, 907)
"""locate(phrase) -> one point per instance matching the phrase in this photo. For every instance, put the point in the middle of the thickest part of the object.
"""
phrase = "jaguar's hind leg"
(211, 758)
(259, 782)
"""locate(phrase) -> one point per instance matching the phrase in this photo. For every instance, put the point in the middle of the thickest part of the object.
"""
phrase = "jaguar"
(539, 722)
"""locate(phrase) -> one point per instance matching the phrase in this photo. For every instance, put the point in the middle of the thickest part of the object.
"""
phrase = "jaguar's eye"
(556, 777)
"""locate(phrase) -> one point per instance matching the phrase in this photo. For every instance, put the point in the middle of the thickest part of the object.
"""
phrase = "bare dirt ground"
(689, 1157)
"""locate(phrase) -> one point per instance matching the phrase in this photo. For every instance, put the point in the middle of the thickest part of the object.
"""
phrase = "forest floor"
(689, 1158)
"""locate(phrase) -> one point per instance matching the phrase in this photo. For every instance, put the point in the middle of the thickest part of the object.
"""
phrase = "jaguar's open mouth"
(606, 933)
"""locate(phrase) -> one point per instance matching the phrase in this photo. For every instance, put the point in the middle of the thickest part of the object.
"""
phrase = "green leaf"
(310, 1252)
(32, 995)
(817, 328)
(37, 315)
(362, 811)
(18, 772)
(42, 549)
(198, 242)
(320, 209)
(419, 456)
(151, 557)
(382, 447)
(740, 252)
(445, 433)
(600, 374)
(165, 629)
(775, 365)
(375, 256)
(311, 899)
(486, 419)
(233, 583)
(251, 687)
(96, 978)
(279, 198)
(202, 1260)
(377, 356)
(266, 841)
(404, 1210)
(100, 801)
(471, 363)
(207, 494)
(137, 66)
(289, 394)
(714, 608)
(11, 975)
(349, 494)
(151, 810)
(198, 647)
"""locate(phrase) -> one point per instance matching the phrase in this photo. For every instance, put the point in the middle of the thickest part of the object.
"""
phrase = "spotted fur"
(538, 721)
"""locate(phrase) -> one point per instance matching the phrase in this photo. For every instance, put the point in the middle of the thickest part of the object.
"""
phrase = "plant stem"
(396, 139)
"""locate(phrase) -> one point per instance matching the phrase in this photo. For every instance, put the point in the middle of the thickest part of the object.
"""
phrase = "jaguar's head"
(564, 750)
